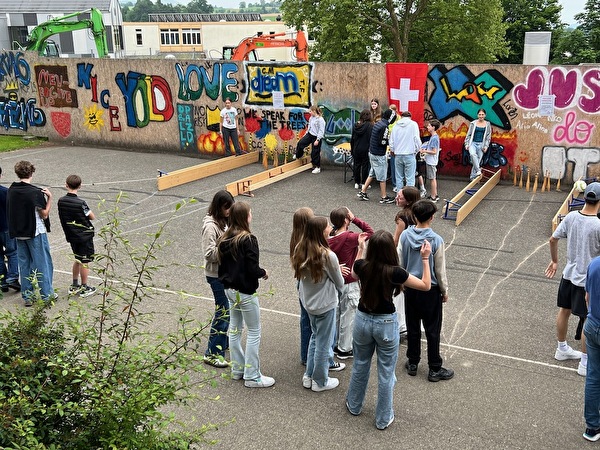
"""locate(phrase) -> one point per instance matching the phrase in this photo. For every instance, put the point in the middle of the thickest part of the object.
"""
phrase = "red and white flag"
(406, 84)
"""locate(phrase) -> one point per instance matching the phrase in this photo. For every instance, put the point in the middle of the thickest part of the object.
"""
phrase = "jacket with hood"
(345, 245)
(412, 238)
(379, 138)
(211, 232)
(405, 138)
(239, 268)
(360, 140)
(322, 296)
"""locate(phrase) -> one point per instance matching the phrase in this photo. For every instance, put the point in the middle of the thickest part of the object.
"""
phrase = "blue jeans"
(476, 154)
(392, 165)
(319, 349)
(35, 261)
(374, 333)
(8, 248)
(217, 341)
(305, 334)
(244, 308)
(406, 168)
(591, 330)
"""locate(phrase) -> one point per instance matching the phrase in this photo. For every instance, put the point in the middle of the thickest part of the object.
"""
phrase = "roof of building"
(195, 17)
(51, 6)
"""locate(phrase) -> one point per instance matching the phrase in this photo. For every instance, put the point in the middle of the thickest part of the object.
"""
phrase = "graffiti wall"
(544, 119)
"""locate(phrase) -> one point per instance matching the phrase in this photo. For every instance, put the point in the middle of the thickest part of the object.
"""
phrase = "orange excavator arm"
(246, 46)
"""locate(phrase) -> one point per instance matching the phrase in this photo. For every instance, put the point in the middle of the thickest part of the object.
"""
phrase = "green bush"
(92, 377)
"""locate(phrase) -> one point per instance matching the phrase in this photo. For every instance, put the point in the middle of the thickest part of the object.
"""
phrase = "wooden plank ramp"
(565, 208)
(247, 185)
(476, 195)
(166, 180)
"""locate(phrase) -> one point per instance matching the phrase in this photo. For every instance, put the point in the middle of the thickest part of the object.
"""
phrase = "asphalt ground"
(498, 331)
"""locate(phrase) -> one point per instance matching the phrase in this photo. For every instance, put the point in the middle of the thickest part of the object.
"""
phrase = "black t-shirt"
(385, 304)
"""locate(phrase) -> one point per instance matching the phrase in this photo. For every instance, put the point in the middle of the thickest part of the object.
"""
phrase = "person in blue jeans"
(591, 330)
(376, 325)
(9, 270)
(213, 227)
(477, 141)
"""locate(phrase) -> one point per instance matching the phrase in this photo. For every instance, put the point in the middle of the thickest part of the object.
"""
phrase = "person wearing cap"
(582, 230)
(378, 158)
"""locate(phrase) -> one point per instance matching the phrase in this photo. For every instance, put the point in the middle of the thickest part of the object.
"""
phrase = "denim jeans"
(374, 333)
(591, 410)
(34, 258)
(217, 341)
(319, 349)
(244, 308)
(349, 297)
(8, 248)
(392, 166)
(406, 168)
(305, 334)
(231, 133)
(476, 154)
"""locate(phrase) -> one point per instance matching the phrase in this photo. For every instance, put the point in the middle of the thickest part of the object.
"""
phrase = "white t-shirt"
(228, 115)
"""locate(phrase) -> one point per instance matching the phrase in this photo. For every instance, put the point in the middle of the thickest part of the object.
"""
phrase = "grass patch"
(10, 143)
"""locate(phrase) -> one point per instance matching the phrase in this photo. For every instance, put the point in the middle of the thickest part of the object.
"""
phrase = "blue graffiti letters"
(194, 80)
(20, 114)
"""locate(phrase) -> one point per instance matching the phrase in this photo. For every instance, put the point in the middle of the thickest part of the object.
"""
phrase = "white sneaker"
(581, 369)
(306, 381)
(356, 186)
(569, 353)
(262, 382)
(294, 157)
(332, 383)
(316, 170)
(423, 193)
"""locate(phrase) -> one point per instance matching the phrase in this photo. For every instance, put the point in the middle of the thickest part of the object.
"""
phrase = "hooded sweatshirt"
(361, 136)
(210, 236)
(405, 138)
(412, 238)
(322, 296)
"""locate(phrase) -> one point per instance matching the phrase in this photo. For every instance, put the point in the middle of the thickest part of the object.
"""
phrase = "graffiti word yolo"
(147, 97)
(566, 85)
(194, 80)
(20, 115)
(14, 65)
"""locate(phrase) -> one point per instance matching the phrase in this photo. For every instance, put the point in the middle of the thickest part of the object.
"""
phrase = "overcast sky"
(570, 7)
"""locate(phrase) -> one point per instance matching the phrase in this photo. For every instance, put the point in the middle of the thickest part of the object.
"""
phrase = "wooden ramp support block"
(565, 207)
(451, 205)
(174, 178)
(245, 186)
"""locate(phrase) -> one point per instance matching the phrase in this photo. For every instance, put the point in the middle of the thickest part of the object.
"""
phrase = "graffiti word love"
(572, 131)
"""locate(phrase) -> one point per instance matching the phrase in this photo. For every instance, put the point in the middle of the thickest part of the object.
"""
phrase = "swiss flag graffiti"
(406, 88)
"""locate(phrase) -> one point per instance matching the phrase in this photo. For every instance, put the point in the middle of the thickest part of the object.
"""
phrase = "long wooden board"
(245, 186)
(564, 208)
(168, 180)
(470, 204)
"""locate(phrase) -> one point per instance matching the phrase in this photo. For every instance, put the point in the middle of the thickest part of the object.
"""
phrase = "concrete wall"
(173, 106)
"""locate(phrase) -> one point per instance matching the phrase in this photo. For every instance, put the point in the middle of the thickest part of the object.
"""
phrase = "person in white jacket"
(405, 142)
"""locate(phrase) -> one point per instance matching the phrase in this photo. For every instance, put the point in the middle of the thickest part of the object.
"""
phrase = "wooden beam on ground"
(564, 208)
(470, 204)
(168, 180)
(245, 186)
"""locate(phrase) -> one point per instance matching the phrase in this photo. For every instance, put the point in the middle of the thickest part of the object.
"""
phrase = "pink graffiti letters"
(566, 85)
(573, 132)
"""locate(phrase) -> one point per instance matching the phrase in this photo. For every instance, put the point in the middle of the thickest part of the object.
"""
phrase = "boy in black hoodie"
(359, 147)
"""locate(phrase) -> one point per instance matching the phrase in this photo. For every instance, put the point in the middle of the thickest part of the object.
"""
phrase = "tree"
(458, 32)
(581, 45)
(527, 15)
(353, 31)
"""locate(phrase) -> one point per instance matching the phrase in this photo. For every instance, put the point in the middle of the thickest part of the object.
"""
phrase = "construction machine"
(38, 40)
(246, 49)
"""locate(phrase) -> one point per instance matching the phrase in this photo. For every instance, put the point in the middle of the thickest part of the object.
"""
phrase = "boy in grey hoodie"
(425, 306)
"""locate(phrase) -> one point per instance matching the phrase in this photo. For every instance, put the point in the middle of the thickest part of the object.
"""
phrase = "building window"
(190, 36)
(138, 36)
(169, 37)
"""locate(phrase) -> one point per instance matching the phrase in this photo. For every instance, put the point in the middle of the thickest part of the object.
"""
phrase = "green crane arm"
(40, 34)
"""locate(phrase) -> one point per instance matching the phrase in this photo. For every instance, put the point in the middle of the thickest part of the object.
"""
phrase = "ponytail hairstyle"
(312, 251)
(338, 217)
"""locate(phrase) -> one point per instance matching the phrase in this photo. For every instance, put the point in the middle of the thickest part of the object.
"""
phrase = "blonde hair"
(299, 221)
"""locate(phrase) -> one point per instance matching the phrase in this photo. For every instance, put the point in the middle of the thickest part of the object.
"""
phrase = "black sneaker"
(4, 288)
(411, 369)
(342, 355)
(387, 200)
(592, 434)
(442, 374)
(363, 196)
(15, 285)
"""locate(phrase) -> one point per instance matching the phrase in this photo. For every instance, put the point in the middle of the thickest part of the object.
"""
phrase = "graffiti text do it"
(20, 115)
(571, 89)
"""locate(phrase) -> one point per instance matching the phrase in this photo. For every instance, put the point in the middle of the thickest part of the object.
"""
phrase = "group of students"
(348, 286)
(24, 224)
